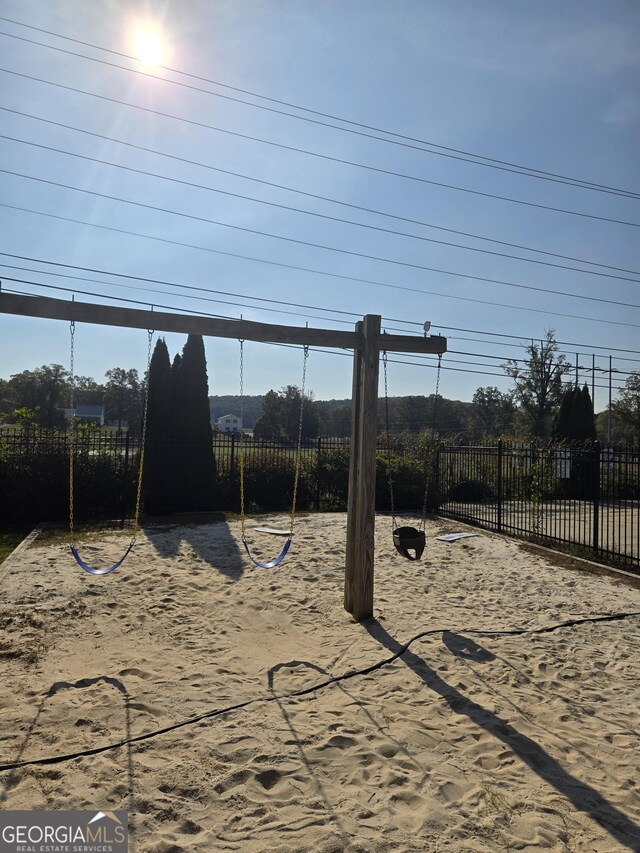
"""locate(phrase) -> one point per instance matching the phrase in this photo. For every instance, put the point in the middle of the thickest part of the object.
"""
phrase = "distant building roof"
(89, 411)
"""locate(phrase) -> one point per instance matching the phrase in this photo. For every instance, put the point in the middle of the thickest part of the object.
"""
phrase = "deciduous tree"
(45, 389)
(626, 409)
(538, 384)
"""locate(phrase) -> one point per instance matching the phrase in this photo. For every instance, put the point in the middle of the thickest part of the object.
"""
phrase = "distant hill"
(334, 416)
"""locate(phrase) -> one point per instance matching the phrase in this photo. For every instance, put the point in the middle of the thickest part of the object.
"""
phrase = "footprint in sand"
(137, 673)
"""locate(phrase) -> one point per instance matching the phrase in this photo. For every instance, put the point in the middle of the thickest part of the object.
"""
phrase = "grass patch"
(9, 541)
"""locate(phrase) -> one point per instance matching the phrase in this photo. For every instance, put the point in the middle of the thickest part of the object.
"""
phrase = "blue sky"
(553, 87)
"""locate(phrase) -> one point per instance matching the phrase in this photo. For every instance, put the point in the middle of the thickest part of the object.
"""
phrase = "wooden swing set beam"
(367, 340)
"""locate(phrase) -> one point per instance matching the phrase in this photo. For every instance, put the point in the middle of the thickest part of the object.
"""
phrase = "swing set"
(366, 341)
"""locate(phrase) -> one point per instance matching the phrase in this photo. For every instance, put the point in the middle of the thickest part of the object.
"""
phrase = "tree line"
(535, 406)
(41, 396)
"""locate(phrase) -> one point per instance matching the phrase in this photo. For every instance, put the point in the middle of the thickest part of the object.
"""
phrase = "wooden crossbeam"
(135, 318)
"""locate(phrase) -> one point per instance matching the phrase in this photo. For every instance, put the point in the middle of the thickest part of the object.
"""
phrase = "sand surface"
(466, 741)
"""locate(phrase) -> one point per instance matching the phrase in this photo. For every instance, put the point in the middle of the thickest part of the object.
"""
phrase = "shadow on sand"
(207, 535)
(12, 777)
(584, 798)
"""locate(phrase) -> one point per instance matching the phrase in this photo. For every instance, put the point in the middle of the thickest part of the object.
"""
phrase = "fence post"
(232, 454)
(318, 451)
(124, 481)
(499, 485)
(596, 496)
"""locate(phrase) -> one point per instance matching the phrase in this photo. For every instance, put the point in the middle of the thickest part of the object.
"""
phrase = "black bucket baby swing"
(409, 541)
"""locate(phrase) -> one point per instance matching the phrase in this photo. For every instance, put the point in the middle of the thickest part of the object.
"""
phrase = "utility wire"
(323, 198)
(166, 283)
(329, 248)
(331, 352)
(364, 225)
(418, 360)
(530, 339)
(139, 287)
(399, 140)
(172, 308)
(316, 154)
(168, 241)
(147, 280)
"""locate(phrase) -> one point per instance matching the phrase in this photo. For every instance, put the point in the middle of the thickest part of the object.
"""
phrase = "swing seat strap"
(93, 571)
(272, 563)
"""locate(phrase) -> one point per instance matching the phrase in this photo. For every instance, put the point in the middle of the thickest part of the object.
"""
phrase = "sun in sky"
(149, 47)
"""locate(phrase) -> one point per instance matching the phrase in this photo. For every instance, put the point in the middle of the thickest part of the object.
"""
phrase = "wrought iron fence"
(34, 473)
(583, 497)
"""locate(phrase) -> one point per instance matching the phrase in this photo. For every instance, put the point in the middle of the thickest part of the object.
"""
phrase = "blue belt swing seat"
(271, 564)
(72, 452)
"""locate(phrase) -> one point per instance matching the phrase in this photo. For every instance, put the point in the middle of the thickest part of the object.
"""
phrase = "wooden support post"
(359, 574)
(350, 557)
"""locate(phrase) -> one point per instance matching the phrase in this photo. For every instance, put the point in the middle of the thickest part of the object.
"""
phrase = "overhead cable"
(399, 139)
(168, 241)
(255, 231)
(306, 152)
(354, 223)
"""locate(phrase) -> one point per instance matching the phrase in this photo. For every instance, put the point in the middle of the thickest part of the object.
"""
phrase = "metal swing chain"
(387, 437)
(241, 448)
(435, 411)
(72, 406)
(296, 477)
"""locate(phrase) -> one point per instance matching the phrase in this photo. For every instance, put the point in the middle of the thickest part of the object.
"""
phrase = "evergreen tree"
(588, 420)
(562, 423)
(195, 471)
(574, 420)
(156, 482)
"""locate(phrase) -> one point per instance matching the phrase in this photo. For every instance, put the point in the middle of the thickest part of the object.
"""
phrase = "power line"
(316, 154)
(240, 305)
(531, 338)
(147, 280)
(324, 247)
(349, 252)
(139, 287)
(226, 317)
(318, 272)
(270, 300)
(400, 139)
(364, 225)
(445, 364)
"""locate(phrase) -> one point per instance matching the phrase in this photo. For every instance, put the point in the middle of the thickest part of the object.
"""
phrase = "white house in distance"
(229, 423)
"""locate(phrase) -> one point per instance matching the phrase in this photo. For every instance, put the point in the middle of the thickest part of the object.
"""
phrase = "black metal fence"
(34, 474)
(583, 497)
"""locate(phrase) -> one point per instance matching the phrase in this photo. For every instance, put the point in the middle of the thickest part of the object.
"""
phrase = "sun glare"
(149, 48)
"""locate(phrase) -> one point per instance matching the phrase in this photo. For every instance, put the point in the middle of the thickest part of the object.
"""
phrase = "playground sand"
(468, 741)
